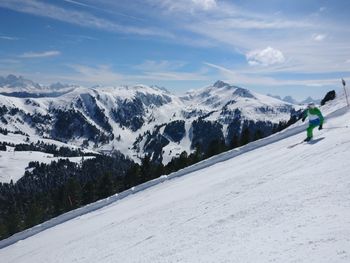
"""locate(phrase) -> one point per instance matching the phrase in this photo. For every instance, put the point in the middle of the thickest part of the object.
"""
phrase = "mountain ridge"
(143, 120)
(291, 100)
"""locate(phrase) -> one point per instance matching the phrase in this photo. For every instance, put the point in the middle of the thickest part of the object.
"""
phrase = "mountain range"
(137, 120)
(290, 99)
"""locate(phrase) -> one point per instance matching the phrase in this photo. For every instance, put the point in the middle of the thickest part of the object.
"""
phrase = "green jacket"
(314, 115)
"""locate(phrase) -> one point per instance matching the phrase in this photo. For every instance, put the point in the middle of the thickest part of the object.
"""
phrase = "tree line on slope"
(40, 146)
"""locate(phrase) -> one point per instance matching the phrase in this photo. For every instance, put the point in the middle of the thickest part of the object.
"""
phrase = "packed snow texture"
(268, 204)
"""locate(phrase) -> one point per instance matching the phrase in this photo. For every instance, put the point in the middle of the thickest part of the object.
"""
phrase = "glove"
(320, 127)
(303, 119)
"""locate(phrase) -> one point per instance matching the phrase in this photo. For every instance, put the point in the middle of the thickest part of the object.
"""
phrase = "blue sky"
(297, 48)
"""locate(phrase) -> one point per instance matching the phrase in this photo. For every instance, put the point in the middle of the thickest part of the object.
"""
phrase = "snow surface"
(267, 204)
(13, 164)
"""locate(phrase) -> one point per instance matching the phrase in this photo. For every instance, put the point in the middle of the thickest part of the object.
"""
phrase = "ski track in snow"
(270, 204)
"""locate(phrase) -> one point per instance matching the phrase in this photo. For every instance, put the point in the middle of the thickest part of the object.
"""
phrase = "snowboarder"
(315, 119)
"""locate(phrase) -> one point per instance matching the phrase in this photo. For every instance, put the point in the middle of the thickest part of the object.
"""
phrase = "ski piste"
(313, 140)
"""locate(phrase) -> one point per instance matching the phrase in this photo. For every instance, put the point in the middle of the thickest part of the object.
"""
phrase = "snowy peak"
(244, 93)
(220, 84)
(130, 92)
(291, 100)
(237, 91)
(21, 87)
(220, 94)
(310, 100)
(14, 83)
(60, 86)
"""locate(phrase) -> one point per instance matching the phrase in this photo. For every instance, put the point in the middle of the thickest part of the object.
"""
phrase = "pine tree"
(73, 193)
(245, 136)
(3, 230)
(215, 147)
(258, 134)
(13, 220)
(196, 156)
(132, 176)
(2, 147)
(145, 169)
(89, 193)
(281, 126)
(183, 160)
(329, 96)
(234, 143)
(159, 170)
(105, 186)
(34, 215)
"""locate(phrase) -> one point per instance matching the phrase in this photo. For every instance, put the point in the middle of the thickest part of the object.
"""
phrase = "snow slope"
(14, 163)
(268, 204)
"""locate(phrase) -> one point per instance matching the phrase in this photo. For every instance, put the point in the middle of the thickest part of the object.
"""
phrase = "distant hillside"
(140, 120)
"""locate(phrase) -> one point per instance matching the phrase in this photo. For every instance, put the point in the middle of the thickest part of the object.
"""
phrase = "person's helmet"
(311, 105)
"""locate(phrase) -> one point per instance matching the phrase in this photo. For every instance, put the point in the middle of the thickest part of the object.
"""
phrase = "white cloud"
(44, 54)
(244, 78)
(165, 70)
(314, 84)
(185, 5)
(102, 74)
(78, 18)
(232, 23)
(319, 37)
(105, 10)
(172, 76)
(205, 4)
(8, 38)
(105, 75)
(78, 3)
(162, 65)
(265, 57)
(9, 61)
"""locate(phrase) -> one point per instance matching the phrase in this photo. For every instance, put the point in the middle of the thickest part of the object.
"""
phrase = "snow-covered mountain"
(310, 100)
(12, 83)
(263, 202)
(291, 100)
(138, 120)
(21, 87)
